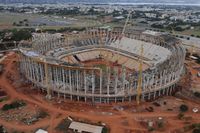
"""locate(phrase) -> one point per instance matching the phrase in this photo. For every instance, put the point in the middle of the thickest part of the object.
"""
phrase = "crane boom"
(127, 19)
(124, 28)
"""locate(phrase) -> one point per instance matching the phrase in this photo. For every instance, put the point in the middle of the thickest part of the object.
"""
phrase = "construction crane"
(123, 31)
(127, 19)
(139, 86)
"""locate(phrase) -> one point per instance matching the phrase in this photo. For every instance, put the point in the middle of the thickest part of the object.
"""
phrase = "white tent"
(41, 131)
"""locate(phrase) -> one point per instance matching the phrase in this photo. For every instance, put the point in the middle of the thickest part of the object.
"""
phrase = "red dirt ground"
(122, 121)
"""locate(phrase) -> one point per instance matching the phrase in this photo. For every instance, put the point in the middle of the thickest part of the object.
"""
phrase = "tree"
(178, 29)
(1, 129)
(14, 23)
(116, 13)
(183, 108)
(197, 130)
(159, 26)
(197, 94)
(21, 22)
(160, 124)
(105, 130)
(180, 116)
(19, 35)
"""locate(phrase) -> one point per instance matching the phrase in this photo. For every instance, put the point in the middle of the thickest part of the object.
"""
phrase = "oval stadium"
(103, 66)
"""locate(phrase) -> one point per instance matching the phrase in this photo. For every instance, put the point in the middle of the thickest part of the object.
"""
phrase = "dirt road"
(57, 114)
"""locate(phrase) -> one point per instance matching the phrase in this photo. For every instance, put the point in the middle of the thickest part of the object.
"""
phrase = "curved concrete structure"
(57, 65)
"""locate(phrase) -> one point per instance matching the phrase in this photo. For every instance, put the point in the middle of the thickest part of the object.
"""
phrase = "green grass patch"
(13, 105)
(3, 99)
(42, 114)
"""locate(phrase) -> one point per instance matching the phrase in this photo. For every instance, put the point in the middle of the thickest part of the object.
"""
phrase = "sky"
(106, 1)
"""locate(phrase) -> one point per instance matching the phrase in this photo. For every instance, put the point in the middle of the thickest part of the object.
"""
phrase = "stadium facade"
(100, 65)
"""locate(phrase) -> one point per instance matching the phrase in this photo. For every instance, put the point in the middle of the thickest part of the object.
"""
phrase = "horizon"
(111, 2)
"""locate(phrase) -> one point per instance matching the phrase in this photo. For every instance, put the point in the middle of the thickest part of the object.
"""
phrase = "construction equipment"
(123, 31)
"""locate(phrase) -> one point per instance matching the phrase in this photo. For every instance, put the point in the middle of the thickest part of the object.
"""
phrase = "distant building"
(153, 33)
(107, 19)
(150, 15)
(119, 17)
(164, 16)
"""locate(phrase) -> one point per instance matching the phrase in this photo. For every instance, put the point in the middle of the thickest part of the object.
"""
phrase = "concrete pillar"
(130, 98)
(100, 82)
(149, 96)
(41, 73)
(47, 81)
(154, 95)
(170, 91)
(123, 79)
(161, 78)
(70, 83)
(63, 81)
(93, 84)
(143, 96)
(152, 82)
(57, 81)
(167, 91)
(116, 79)
(159, 93)
(164, 91)
(85, 81)
(108, 80)
(77, 81)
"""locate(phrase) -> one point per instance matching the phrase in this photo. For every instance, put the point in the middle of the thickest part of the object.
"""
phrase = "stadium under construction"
(103, 65)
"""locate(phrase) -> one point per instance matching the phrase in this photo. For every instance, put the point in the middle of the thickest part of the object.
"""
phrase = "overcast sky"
(106, 1)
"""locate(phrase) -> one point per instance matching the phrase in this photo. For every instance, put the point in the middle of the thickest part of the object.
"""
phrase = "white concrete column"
(85, 81)
(108, 80)
(93, 82)
(77, 81)
(116, 80)
(123, 78)
(100, 82)
(70, 83)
